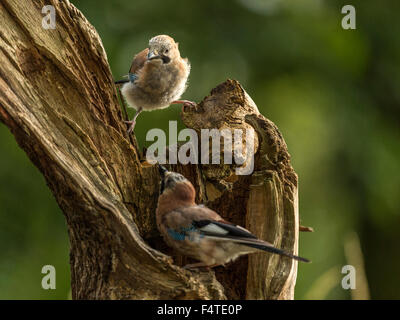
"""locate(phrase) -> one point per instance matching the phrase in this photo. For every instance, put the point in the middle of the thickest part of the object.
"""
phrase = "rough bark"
(58, 99)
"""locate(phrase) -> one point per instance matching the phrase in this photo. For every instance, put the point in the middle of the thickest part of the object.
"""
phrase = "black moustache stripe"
(165, 59)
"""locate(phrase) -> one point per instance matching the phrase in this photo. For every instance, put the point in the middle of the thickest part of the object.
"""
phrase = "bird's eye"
(166, 51)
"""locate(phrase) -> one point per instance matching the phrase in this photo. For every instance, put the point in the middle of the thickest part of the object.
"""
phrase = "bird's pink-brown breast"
(182, 195)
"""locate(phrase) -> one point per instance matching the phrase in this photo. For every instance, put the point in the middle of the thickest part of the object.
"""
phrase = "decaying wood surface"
(58, 99)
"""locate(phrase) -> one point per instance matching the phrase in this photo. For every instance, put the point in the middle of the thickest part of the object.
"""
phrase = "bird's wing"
(203, 220)
(222, 228)
(183, 220)
(211, 223)
(211, 226)
(184, 217)
(138, 61)
(137, 64)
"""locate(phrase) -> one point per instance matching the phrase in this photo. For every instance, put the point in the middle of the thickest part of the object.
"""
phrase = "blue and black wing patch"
(132, 77)
(183, 233)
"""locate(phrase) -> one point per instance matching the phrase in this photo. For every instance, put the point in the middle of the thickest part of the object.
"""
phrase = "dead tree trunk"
(58, 99)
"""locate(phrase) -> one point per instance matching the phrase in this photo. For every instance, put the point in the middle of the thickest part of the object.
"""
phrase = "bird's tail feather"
(275, 250)
(258, 244)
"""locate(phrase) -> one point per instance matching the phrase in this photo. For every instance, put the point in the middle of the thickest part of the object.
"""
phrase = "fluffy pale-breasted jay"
(199, 232)
(157, 78)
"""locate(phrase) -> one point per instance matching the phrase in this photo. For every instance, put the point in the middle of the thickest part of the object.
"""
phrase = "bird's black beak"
(162, 170)
(152, 56)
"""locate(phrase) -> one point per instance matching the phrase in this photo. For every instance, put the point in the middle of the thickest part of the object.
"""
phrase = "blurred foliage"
(332, 92)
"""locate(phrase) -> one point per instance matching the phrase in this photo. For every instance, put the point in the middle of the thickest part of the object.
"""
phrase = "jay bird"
(199, 232)
(157, 78)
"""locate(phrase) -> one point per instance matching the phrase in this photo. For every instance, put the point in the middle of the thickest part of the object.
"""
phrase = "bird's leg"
(186, 103)
(133, 121)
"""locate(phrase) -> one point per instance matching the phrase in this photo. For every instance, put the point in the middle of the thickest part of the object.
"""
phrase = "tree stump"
(58, 99)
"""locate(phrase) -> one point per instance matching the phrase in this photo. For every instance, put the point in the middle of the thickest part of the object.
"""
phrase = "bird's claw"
(190, 105)
(186, 104)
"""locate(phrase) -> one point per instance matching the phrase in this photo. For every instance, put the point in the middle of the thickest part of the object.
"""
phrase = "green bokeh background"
(333, 93)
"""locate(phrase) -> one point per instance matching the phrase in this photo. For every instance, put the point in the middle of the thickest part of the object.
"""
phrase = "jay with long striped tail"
(199, 232)
(157, 78)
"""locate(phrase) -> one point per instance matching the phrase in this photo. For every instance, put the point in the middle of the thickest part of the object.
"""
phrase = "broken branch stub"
(265, 201)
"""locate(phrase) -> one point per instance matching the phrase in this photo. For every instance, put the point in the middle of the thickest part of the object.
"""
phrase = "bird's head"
(175, 185)
(164, 48)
